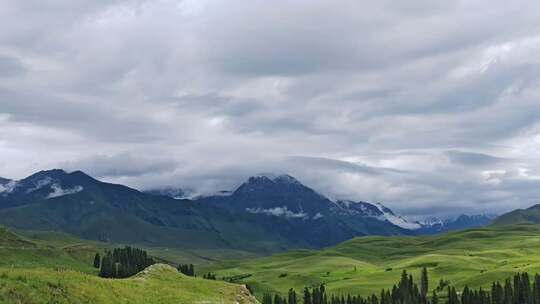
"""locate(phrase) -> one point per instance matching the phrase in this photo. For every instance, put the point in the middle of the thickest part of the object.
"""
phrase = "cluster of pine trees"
(406, 292)
(290, 299)
(123, 262)
(209, 276)
(519, 290)
(187, 269)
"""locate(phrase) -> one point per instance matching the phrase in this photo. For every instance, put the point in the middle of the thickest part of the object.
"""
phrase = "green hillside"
(17, 251)
(365, 265)
(49, 267)
(157, 284)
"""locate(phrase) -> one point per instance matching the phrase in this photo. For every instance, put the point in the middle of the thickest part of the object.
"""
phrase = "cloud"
(280, 212)
(10, 67)
(473, 159)
(58, 191)
(121, 165)
(379, 101)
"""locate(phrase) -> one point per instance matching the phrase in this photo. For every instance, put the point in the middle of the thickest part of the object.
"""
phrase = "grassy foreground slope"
(17, 251)
(365, 265)
(157, 284)
(49, 267)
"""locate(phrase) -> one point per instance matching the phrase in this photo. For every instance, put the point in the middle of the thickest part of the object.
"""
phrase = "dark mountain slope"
(299, 213)
(78, 204)
(520, 216)
(264, 214)
(462, 222)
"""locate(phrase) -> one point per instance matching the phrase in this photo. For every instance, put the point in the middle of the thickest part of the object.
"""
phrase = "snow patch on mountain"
(279, 212)
(399, 221)
(40, 184)
(58, 191)
(431, 221)
(8, 187)
(317, 216)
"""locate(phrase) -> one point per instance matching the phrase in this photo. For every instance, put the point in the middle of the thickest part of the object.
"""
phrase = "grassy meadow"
(49, 267)
(364, 265)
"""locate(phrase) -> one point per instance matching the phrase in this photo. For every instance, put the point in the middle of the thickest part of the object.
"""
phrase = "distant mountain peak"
(286, 179)
(276, 178)
(52, 172)
(47, 184)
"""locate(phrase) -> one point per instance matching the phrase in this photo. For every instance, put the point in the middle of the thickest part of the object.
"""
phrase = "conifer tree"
(267, 299)
(292, 297)
(452, 296)
(536, 289)
(465, 295)
(307, 296)
(424, 285)
(434, 298)
(106, 270)
(97, 260)
(508, 292)
(497, 293)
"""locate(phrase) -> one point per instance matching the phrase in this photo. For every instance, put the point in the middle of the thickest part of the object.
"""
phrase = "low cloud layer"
(430, 108)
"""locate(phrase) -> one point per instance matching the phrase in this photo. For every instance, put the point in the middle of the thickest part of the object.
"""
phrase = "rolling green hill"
(17, 251)
(157, 284)
(365, 265)
(50, 267)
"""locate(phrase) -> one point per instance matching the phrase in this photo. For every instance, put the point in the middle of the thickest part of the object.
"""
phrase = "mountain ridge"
(529, 215)
(262, 214)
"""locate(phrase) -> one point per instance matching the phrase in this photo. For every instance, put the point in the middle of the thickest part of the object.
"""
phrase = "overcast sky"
(430, 107)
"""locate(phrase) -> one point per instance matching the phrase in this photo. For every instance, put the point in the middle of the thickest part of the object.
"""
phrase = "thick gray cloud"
(428, 107)
(10, 67)
(121, 165)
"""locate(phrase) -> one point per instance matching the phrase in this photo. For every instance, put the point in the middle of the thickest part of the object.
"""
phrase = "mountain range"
(264, 214)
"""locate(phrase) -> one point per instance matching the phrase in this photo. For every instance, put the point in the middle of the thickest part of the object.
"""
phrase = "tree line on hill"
(122, 262)
(521, 289)
(187, 269)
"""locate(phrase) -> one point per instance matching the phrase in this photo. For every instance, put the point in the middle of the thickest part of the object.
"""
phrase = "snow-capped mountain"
(284, 204)
(283, 196)
(375, 211)
(42, 185)
(263, 210)
(396, 219)
(434, 225)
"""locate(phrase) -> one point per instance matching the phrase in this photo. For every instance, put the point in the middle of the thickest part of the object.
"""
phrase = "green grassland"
(18, 252)
(364, 265)
(157, 284)
(50, 267)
